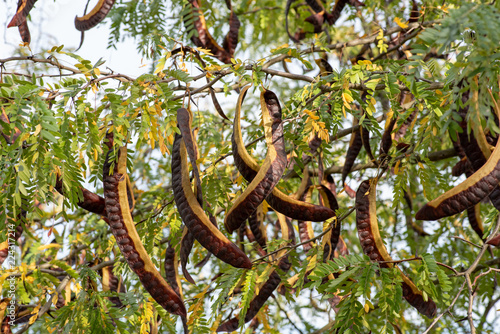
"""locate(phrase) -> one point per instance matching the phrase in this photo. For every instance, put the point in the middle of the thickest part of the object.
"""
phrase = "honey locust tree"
(399, 94)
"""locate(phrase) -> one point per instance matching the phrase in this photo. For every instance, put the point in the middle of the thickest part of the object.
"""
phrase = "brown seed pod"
(91, 202)
(112, 283)
(231, 39)
(96, 15)
(194, 217)
(257, 226)
(249, 168)
(306, 231)
(127, 238)
(467, 194)
(373, 246)
(204, 39)
(494, 241)
(187, 242)
(331, 239)
(365, 139)
(268, 287)
(272, 168)
(23, 9)
(171, 266)
(475, 221)
(461, 167)
(342, 247)
(355, 145)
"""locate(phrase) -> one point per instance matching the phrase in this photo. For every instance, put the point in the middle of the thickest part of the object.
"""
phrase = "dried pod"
(373, 246)
(475, 221)
(127, 238)
(467, 194)
(257, 226)
(249, 168)
(96, 15)
(268, 287)
(272, 168)
(23, 9)
(355, 145)
(194, 217)
(112, 283)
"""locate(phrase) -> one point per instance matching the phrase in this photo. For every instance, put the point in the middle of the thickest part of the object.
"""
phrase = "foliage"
(62, 114)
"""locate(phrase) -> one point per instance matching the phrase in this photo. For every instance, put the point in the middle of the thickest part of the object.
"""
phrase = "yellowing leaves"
(400, 23)
(314, 127)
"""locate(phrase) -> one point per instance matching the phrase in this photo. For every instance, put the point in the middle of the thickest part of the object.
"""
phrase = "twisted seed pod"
(475, 221)
(249, 168)
(91, 201)
(342, 247)
(127, 238)
(194, 217)
(306, 231)
(331, 239)
(373, 246)
(257, 226)
(272, 168)
(267, 288)
(204, 39)
(112, 283)
(468, 193)
(461, 167)
(23, 9)
(355, 145)
(96, 15)
(231, 39)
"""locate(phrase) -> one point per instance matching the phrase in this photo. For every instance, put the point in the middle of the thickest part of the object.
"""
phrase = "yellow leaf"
(49, 246)
(367, 308)
(400, 23)
(396, 168)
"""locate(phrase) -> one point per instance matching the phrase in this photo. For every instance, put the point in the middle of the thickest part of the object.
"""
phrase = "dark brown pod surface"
(279, 201)
(23, 9)
(373, 246)
(355, 145)
(271, 170)
(193, 215)
(128, 240)
(96, 15)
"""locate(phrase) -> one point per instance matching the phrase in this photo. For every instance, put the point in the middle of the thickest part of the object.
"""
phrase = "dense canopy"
(318, 166)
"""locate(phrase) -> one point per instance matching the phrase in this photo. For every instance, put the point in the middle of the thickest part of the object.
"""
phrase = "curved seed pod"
(467, 194)
(4, 246)
(317, 21)
(216, 104)
(91, 202)
(257, 226)
(315, 5)
(23, 9)
(112, 283)
(365, 139)
(24, 31)
(272, 168)
(475, 221)
(231, 39)
(461, 167)
(495, 241)
(342, 247)
(386, 142)
(130, 195)
(96, 15)
(355, 145)
(129, 242)
(267, 288)
(204, 39)
(171, 265)
(330, 201)
(187, 242)
(184, 122)
(249, 168)
(339, 6)
(325, 68)
(373, 246)
(306, 231)
(194, 217)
